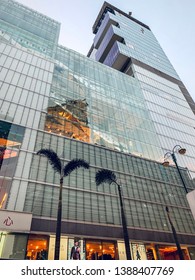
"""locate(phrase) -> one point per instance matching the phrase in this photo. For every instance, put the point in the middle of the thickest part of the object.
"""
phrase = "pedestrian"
(75, 252)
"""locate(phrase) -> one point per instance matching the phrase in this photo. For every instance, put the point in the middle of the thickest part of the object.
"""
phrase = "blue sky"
(172, 22)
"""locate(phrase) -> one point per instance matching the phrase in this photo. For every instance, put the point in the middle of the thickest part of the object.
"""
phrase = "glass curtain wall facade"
(61, 100)
(128, 45)
(28, 28)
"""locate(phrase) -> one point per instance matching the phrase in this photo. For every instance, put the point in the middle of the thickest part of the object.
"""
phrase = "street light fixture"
(181, 151)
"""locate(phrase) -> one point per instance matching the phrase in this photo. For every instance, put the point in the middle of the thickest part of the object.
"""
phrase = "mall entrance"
(101, 250)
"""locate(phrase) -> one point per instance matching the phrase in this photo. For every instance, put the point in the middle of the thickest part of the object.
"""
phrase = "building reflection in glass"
(68, 119)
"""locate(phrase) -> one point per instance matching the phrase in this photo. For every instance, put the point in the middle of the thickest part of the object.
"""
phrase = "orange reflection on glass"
(3, 200)
(9, 154)
(8, 143)
(69, 119)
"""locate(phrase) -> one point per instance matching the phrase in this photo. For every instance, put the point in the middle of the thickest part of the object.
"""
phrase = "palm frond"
(105, 176)
(74, 164)
(53, 158)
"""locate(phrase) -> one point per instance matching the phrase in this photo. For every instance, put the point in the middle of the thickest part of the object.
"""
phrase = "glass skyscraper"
(126, 44)
(122, 108)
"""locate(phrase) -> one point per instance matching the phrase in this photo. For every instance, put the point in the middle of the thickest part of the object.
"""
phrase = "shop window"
(101, 250)
(151, 252)
(12, 246)
(37, 247)
(170, 253)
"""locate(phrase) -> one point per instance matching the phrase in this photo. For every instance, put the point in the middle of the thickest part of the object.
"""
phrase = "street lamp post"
(181, 151)
(180, 253)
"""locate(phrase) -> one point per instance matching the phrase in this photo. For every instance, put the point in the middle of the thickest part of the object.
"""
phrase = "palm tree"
(64, 171)
(107, 176)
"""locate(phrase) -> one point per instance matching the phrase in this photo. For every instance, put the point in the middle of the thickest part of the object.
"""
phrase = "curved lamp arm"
(167, 154)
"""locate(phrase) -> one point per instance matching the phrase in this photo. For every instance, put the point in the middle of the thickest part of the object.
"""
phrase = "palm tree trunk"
(124, 224)
(58, 225)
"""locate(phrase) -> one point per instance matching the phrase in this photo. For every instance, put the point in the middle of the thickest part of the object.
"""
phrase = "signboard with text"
(15, 221)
